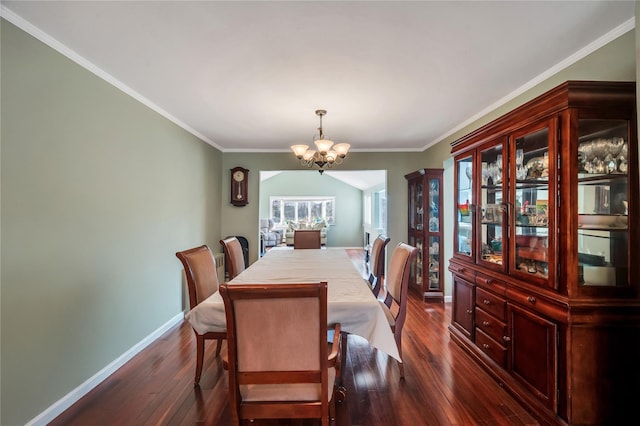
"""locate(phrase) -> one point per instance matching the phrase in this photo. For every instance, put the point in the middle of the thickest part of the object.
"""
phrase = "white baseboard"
(72, 397)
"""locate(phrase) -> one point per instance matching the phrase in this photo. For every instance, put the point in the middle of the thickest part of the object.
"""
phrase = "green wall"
(98, 193)
(347, 230)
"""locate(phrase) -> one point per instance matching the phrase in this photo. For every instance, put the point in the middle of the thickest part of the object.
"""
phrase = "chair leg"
(218, 347)
(332, 409)
(400, 363)
(199, 358)
(343, 356)
(401, 368)
(340, 392)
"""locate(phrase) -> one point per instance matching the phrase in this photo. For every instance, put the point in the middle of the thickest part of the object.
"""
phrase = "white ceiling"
(248, 76)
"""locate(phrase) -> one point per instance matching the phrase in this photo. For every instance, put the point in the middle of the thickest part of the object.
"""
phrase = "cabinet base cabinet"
(533, 353)
(463, 304)
(605, 360)
(570, 368)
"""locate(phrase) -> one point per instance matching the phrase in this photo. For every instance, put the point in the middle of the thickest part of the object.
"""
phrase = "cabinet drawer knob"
(486, 302)
(531, 299)
(469, 311)
(461, 270)
(489, 281)
(485, 323)
(486, 346)
(506, 338)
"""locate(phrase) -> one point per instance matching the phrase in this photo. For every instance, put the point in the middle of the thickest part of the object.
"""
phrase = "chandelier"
(326, 153)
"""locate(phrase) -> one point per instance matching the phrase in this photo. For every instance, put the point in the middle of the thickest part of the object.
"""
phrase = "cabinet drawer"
(543, 306)
(493, 349)
(491, 303)
(490, 325)
(463, 271)
(492, 284)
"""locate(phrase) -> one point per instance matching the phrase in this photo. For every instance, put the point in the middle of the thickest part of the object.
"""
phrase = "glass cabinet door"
(532, 200)
(603, 203)
(463, 233)
(434, 284)
(416, 207)
(492, 206)
(434, 202)
(416, 272)
(434, 264)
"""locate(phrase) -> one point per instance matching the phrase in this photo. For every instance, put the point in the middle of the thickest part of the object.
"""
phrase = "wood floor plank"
(442, 385)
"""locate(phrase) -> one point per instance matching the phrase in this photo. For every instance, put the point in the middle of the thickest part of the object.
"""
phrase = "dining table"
(350, 300)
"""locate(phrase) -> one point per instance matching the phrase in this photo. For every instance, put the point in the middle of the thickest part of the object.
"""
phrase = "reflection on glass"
(434, 263)
(532, 204)
(464, 202)
(434, 200)
(491, 211)
(603, 195)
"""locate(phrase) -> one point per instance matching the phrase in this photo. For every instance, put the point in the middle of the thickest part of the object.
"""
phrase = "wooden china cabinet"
(545, 263)
(425, 232)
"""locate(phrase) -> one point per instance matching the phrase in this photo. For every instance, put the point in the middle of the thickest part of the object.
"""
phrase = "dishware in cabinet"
(532, 195)
(491, 240)
(464, 209)
(604, 191)
(425, 232)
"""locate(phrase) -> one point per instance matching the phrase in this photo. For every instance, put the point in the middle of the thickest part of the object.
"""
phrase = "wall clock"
(239, 178)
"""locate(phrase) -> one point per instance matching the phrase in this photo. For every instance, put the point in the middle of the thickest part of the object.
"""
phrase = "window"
(381, 209)
(308, 209)
(367, 209)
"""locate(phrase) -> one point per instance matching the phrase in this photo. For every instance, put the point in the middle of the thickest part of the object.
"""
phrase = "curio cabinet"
(546, 252)
(425, 232)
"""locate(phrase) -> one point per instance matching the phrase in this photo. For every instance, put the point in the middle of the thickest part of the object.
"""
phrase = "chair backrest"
(306, 239)
(234, 256)
(376, 268)
(200, 270)
(266, 225)
(397, 282)
(277, 349)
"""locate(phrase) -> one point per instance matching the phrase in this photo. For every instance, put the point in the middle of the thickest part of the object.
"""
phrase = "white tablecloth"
(350, 300)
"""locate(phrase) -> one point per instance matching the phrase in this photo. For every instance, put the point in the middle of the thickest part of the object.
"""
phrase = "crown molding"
(588, 49)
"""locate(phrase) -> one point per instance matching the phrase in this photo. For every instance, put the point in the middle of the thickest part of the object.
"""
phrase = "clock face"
(238, 176)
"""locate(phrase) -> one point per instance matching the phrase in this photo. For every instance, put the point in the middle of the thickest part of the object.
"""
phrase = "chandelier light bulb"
(323, 145)
(341, 149)
(299, 150)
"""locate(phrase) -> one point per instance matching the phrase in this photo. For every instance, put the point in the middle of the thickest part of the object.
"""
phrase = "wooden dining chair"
(397, 285)
(277, 351)
(377, 263)
(306, 239)
(202, 281)
(234, 256)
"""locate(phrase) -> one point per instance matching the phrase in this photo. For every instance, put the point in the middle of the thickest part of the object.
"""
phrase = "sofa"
(270, 236)
(292, 226)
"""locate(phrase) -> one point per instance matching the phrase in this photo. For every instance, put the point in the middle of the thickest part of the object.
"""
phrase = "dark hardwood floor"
(441, 387)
